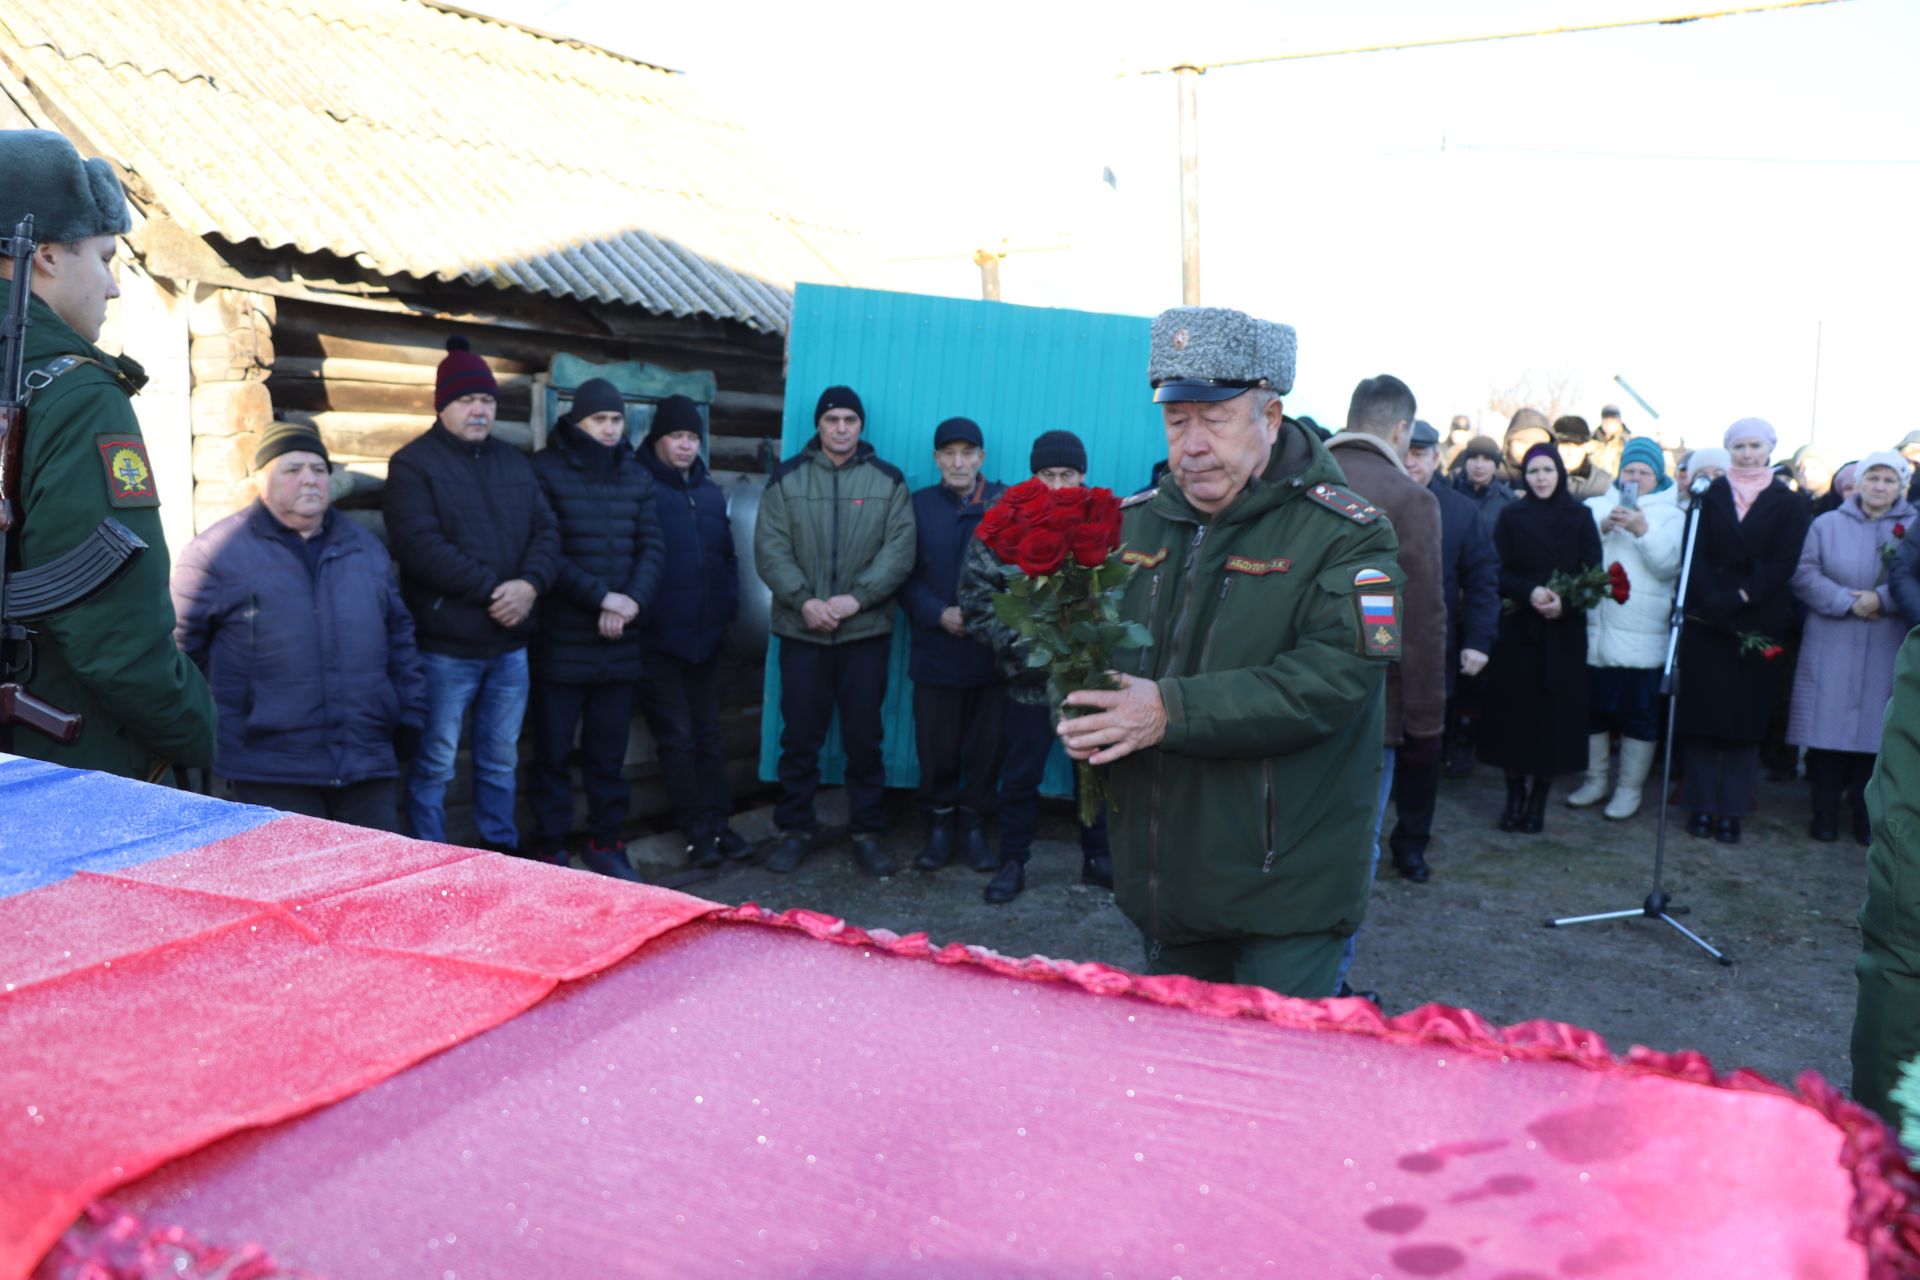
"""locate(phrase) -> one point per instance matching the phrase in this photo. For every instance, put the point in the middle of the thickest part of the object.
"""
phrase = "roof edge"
(571, 41)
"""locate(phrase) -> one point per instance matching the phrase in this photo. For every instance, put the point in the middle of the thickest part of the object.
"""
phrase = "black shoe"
(1347, 993)
(732, 843)
(1412, 865)
(870, 858)
(609, 860)
(554, 855)
(1825, 828)
(1535, 819)
(1700, 825)
(938, 851)
(792, 850)
(1516, 805)
(1728, 832)
(1007, 883)
(974, 854)
(703, 851)
(1097, 870)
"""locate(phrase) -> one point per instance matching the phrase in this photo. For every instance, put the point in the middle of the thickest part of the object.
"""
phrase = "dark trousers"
(815, 680)
(1720, 776)
(1838, 775)
(1416, 789)
(373, 803)
(1028, 735)
(604, 715)
(957, 733)
(681, 700)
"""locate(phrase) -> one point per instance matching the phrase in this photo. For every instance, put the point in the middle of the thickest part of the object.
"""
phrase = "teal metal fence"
(1017, 371)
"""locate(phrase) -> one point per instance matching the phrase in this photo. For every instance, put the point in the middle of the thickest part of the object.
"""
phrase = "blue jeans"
(496, 690)
(1379, 816)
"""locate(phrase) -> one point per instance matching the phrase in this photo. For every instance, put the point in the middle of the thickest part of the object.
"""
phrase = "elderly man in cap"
(834, 541)
(956, 694)
(1574, 439)
(477, 545)
(112, 658)
(1610, 439)
(1244, 742)
(294, 615)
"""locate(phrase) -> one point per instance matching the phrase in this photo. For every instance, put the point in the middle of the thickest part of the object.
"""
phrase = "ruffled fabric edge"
(110, 1244)
(1884, 1216)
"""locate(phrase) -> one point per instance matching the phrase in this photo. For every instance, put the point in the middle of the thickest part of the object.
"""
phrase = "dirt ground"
(1781, 906)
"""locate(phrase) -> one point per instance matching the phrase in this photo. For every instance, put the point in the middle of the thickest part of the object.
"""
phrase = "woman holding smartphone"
(1640, 527)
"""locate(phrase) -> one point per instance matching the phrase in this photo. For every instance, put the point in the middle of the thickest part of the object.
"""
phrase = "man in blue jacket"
(957, 697)
(1470, 582)
(477, 545)
(588, 652)
(293, 615)
(699, 594)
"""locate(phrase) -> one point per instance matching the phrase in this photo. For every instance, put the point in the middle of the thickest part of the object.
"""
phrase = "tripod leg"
(1698, 941)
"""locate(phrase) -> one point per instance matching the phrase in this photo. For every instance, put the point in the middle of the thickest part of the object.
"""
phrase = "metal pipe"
(1188, 79)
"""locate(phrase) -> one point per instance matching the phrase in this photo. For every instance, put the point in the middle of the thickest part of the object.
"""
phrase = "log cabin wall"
(364, 378)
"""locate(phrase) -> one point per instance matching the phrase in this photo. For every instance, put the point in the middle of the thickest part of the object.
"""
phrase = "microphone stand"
(1658, 904)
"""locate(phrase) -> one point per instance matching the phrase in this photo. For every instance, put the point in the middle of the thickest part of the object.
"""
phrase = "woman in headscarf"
(1535, 721)
(1739, 606)
(1845, 481)
(1854, 631)
(1640, 529)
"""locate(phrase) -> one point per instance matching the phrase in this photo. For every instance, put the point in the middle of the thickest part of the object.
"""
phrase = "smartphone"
(1629, 495)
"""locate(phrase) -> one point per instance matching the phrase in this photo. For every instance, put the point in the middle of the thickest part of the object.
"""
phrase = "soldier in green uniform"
(1244, 743)
(112, 659)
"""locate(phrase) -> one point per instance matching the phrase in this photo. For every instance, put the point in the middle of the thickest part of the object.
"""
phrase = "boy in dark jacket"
(699, 594)
(956, 698)
(588, 651)
(293, 615)
(477, 545)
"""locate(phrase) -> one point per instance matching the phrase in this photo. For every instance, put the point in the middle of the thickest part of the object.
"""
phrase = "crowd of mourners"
(598, 577)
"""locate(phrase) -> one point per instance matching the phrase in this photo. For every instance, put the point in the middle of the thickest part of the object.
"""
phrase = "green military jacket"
(828, 531)
(112, 659)
(1273, 624)
(1886, 1025)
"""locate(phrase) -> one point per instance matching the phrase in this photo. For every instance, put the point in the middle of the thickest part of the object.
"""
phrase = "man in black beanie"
(835, 540)
(956, 692)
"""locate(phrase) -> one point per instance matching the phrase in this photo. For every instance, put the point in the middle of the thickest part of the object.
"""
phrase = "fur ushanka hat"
(70, 199)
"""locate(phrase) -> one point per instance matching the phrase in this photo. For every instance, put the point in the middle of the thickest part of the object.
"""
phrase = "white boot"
(1594, 789)
(1636, 761)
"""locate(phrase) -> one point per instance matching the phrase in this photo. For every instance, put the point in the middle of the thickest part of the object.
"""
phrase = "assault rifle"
(77, 575)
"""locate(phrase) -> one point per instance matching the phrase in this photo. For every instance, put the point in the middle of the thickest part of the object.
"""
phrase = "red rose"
(1041, 552)
(1026, 496)
(1620, 588)
(1006, 543)
(1899, 531)
(1091, 546)
(1102, 507)
(1771, 652)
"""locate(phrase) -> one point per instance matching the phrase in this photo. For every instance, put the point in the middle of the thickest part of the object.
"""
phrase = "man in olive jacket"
(835, 540)
(1245, 741)
(111, 659)
(1886, 1021)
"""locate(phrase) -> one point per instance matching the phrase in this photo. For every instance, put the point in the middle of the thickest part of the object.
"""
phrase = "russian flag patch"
(1380, 624)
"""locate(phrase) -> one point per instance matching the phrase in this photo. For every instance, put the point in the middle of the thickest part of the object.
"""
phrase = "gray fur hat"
(70, 199)
(1212, 353)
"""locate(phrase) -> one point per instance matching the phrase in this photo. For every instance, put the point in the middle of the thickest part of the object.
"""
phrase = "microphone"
(1700, 485)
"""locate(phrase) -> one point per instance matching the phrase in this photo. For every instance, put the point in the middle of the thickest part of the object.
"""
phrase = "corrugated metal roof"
(423, 141)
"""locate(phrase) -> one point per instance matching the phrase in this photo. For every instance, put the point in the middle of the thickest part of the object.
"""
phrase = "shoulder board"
(1343, 502)
(1136, 499)
(887, 469)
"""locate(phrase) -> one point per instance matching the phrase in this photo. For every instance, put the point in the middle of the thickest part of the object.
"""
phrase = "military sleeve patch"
(129, 474)
(1258, 568)
(1340, 502)
(1371, 578)
(1142, 558)
(1379, 623)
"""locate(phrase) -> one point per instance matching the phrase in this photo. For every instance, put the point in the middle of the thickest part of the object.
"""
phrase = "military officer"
(112, 659)
(1245, 741)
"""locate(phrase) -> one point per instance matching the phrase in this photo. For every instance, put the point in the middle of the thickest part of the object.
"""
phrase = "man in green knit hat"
(112, 659)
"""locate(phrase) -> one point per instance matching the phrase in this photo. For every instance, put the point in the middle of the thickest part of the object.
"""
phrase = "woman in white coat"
(1627, 643)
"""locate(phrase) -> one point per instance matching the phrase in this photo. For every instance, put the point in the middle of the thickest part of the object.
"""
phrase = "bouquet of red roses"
(1059, 550)
(1589, 587)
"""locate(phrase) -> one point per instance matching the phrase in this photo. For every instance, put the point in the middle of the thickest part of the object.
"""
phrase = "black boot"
(1700, 825)
(1516, 804)
(703, 850)
(1412, 865)
(790, 852)
(1728, 832)
(1862, 825)
(1826, 814)
(938, 851)
(732, 843)
(1096, 869)
(869, 857)
(1007, 883)
(974, 853)
(609, 860)
(1536, 815)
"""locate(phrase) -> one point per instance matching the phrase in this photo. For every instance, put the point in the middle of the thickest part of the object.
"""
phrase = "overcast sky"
(1682, 205)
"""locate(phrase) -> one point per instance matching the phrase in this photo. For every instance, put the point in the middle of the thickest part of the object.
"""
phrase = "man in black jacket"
(477, 545)
(956, 696)
(587, 651)
(1470, 583)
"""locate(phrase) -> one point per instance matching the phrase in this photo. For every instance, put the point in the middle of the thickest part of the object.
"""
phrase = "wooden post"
(1188, 79)
(231, 355)
(989, 263)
